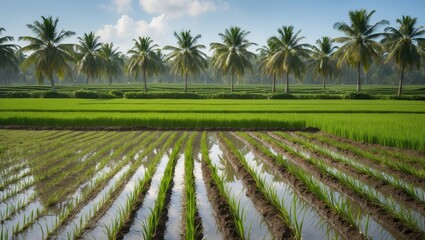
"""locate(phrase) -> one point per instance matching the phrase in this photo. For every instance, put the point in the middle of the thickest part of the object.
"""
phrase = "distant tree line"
(362, 54)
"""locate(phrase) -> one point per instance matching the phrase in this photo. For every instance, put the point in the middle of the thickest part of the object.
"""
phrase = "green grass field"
(391, 123)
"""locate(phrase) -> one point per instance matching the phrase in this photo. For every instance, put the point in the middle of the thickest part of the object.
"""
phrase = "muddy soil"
(339, 224)
(392, 224)
(270, 214)
(220, 207)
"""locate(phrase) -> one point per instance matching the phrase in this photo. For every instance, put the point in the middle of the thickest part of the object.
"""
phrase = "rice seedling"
(133, 199)
(338, 204)
(268, 192)
(16, 206)
(190, 198)
(149, 225)
(387, 204)
(397, 165)
(407, 188)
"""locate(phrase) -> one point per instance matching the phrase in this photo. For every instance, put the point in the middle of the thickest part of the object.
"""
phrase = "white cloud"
(177, 8)
(121, 6)
(126, 29)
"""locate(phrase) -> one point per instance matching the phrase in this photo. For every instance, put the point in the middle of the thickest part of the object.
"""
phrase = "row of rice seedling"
(339, 205)
(192, 228)
(289, 229)
(150, 224)
(106, 192)
(39, 173)
(370, 195)
(52, 222)
(232, 207)
(250, 217)
(408, 188)
(135, 197)
(210, 228)
(44, 211)
(402, 166)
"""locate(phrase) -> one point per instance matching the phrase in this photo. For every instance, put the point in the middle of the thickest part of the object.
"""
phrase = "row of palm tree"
(284, 54)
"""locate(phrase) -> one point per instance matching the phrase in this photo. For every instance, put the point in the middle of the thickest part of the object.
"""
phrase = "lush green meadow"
(386, 122)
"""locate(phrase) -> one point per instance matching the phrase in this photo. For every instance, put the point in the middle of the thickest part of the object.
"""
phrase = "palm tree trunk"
(359, 84)
(274, 83)
(110, 80)
(287, 83)
(400, 86)
(144, 79)
(52, 84)
(87, 79)
(185, 81)
(324, 83)
(232, 87)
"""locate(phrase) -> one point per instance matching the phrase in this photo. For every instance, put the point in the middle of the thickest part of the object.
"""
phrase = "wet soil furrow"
(394, 225)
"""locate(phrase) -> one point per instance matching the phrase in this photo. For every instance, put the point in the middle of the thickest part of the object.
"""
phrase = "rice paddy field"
(212, 169)
(386, 122)
(68, 184)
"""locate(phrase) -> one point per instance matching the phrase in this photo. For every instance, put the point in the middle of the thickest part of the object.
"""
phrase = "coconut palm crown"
(288, 54)
(48, 54)
(359, 47)
(144, 59)
(112, 60)
(322, 63)
(403, 45)
(7, 52)
(186, 58)
(89, 61)
(232, 57)
(264, 55)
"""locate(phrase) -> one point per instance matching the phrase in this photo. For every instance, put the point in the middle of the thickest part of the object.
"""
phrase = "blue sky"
(120, 21)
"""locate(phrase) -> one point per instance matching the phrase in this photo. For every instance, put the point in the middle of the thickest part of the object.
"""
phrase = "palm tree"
(359, 48)
(47, 53)
(7, 52)
(322, 63)
(144, 58)
(88, 60)
(112, 61)
(402, 45)
(265, 53)
(289, 54)
(187, 57)
(232, 56)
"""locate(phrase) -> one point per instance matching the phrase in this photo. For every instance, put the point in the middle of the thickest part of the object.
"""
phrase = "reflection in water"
(253, 222)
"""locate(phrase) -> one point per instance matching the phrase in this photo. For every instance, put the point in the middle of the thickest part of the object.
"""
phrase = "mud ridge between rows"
(392, 224)
(338, 223)
(367, 179)
(220, 207)
(270, 214)
(404, 176)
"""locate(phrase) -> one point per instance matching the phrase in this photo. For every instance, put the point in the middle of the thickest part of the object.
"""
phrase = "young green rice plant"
(149, 225)
(191, 208)
(100, 180)
(236, 212)
(16, 188)
(16, 206)
(298, 224)
(133, 199)
(387, 204)
(268, 192)
(340, 205)
(4, 234)
(397, 165)
(407, 188)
